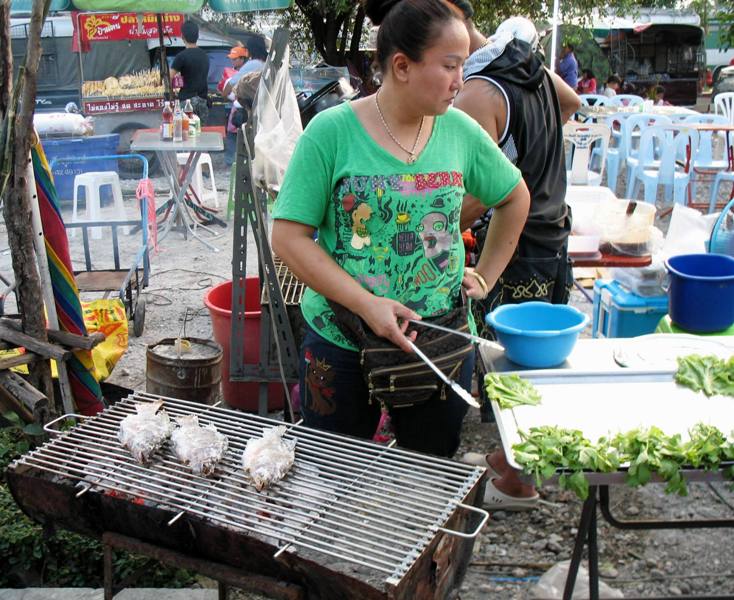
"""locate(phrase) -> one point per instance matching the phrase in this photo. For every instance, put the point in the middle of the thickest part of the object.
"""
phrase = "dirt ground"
(515, 548)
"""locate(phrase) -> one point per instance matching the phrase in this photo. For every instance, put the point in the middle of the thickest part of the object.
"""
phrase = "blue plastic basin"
(537, 334)
(701, 291)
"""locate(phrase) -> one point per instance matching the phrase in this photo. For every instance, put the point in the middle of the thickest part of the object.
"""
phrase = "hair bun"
(377, 10)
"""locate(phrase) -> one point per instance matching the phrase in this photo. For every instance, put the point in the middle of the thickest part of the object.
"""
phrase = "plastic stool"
(92, 182)
(197, 181)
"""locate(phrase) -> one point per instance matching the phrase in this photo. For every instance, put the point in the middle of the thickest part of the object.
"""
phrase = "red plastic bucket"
(218, 300)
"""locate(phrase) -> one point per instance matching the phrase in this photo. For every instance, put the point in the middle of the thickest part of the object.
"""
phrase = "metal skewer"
(474, 338)
(457, 389)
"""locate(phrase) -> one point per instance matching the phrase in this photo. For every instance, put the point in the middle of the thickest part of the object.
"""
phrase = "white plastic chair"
(626, 100)
(582, 136)
(706, 160)
(204, 194)
(632, 129)
(667, 142)
(724, 105)
(593, 99)
(92, 182)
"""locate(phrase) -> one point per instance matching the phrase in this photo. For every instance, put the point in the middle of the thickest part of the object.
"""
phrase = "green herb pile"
(544, 450)
(510, 391)
(709, 374)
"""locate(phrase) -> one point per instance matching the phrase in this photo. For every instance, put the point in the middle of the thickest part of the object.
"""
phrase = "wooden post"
(16, 206)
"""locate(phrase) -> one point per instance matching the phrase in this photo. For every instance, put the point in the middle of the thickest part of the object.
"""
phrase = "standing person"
(568, 66)
(587, 83)
(523, 107)
(612, 86)
(382, 180)
(193, 64)
(238, 55)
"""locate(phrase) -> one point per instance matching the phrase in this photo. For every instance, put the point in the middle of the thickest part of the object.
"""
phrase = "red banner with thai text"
(127, 26)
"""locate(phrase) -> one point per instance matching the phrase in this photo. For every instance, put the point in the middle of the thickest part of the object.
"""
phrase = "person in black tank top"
(523, 107)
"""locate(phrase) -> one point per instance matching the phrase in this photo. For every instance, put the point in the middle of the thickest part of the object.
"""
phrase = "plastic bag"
(722, 235)
(645, 281)
(688, 233)
(278, 127)
(551, 584)
(62, 123)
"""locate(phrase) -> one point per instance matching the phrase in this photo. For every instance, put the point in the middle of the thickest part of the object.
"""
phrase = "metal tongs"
(474, 338)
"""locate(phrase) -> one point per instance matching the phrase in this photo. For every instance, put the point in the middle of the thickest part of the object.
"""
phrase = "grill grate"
(290, 286)
(360, 502)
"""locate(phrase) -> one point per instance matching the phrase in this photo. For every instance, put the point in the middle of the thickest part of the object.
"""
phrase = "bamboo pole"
(16, 205)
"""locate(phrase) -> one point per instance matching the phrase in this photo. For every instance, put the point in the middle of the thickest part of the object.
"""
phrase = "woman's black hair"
(407, 26)
(589, 73)
(256, 47)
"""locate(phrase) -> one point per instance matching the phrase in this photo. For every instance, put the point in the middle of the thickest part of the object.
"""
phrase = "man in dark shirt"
(193, 64)
(523, 107)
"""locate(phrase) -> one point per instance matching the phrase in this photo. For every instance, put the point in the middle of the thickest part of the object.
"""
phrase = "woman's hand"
(474, 284)
(389, 319)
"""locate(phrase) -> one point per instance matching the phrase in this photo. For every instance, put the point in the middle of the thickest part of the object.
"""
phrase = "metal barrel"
(194, 373)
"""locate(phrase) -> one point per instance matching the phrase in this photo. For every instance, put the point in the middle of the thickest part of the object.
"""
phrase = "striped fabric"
(84, 385)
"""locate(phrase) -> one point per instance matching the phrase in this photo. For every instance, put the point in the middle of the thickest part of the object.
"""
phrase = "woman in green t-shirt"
(382, 179)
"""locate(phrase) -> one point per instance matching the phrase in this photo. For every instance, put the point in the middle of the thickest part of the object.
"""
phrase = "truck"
(655, 47)
(66, 75)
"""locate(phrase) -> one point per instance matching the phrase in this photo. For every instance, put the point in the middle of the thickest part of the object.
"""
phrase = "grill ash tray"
(369, 512)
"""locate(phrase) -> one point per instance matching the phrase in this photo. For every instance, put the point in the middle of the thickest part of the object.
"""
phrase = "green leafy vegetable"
(709, 374)
(544, 450)
(510, 391)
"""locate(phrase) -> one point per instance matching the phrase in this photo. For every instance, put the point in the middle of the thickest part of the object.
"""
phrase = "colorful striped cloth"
(84, 384)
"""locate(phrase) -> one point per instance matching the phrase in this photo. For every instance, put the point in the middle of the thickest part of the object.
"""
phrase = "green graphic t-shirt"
(394, 227)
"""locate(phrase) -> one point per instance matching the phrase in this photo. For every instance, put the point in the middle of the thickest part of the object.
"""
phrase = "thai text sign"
(97, 107)
(127, 26)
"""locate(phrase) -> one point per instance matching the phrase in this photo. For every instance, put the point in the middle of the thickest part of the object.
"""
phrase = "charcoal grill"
(352, 519)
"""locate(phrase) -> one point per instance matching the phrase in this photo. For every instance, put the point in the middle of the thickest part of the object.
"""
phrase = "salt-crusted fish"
(145, 431)
(201, 448)
(269, 458)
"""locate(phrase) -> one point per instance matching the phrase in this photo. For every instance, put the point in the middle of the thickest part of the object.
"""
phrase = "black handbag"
(397, 378)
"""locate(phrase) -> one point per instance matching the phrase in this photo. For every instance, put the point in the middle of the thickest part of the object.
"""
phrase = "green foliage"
(63, 559)
(547, 450)
(510, 391)
(709, 374)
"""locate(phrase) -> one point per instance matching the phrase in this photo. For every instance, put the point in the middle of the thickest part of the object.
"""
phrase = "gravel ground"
(514, 549)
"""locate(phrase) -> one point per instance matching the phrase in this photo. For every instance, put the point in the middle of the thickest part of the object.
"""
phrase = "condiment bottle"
(167, 123)
(177, 122)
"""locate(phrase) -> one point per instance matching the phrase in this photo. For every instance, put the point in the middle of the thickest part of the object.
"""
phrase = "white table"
(180, 206)
(582, 394)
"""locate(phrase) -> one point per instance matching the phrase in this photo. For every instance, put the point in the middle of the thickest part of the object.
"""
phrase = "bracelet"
(482, 282)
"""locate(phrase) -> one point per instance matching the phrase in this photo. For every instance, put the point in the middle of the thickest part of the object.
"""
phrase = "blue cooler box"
(65, 171)
(619, 313)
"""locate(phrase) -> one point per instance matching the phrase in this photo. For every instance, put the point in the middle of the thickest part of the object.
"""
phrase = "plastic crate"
(65, 171)
(619, 313)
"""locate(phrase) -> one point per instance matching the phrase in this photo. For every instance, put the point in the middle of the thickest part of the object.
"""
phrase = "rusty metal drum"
(188, 369)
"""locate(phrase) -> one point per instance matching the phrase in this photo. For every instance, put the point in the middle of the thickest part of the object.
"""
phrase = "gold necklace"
(411, 153)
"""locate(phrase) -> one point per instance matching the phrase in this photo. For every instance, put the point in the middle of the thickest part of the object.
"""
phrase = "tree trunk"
(6, 58)
(17, 209)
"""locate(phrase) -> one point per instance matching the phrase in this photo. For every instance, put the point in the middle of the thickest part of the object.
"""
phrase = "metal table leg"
(584, 535)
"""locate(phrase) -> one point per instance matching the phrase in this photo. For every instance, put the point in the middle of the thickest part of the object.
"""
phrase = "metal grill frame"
(340, 499)
(291, 287)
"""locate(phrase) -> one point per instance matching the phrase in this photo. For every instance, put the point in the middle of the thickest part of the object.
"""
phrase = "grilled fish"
(201, 448)
(269, 458)
(144, 432)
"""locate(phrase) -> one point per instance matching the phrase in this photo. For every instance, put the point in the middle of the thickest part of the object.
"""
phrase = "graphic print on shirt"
(398, 236)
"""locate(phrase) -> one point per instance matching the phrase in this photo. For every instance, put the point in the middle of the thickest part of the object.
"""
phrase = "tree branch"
(6, 58)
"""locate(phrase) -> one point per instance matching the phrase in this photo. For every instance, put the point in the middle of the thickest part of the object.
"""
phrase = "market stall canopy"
(155, 6)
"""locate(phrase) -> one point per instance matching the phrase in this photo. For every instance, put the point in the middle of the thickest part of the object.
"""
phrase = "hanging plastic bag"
(278, 127)
(722, 235)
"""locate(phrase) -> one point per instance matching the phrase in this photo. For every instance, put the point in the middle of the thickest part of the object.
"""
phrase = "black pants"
(334, 397)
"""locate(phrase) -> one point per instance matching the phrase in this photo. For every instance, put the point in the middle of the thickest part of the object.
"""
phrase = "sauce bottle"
(167, 123)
